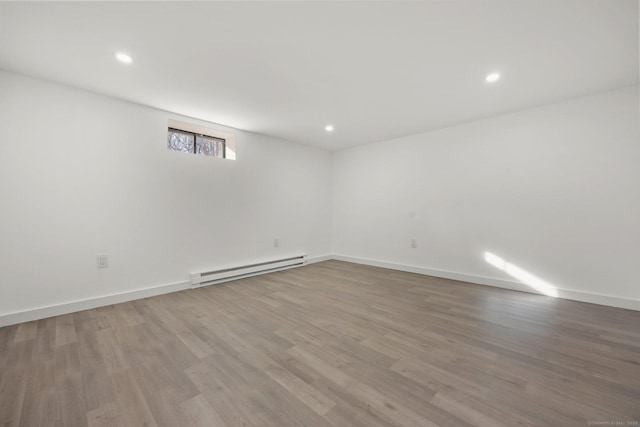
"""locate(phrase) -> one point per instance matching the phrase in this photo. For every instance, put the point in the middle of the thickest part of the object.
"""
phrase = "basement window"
(179, 140)
(189, 138)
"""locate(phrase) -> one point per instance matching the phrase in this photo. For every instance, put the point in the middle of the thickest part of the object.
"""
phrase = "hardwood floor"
(330, 344)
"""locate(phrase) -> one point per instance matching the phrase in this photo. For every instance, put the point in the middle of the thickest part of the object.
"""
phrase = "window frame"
(228, 139)
(224, 144)
(195, 141)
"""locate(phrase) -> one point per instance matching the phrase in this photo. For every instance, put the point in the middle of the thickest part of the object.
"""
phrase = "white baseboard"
(581, 296)
(320, 258)
(86, 304)
(73, 306)
(101, 301)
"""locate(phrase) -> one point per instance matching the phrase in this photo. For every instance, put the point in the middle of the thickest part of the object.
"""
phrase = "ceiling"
(375, 70)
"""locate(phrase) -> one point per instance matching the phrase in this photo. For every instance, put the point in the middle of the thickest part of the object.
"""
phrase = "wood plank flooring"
(330, 344)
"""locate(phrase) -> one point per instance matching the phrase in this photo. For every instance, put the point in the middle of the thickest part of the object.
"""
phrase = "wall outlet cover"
(102, 261)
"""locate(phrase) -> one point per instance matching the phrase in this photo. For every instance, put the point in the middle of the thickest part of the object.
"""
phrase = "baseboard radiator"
(239, 272)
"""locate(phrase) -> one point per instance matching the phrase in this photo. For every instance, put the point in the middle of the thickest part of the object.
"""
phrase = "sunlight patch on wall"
(522, 275)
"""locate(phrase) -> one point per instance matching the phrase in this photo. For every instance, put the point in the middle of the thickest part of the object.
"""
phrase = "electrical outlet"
(276, 243)
(414, 243)
(102, 261)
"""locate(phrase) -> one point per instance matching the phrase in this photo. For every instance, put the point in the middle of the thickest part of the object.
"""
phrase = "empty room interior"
(320, 213)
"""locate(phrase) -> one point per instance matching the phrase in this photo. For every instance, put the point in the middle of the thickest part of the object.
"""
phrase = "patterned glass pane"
(210, 146)
(180, 141)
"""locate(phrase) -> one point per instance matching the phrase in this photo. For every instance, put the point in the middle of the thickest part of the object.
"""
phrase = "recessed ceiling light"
(492, 78)
(123, 57)
(328, 128)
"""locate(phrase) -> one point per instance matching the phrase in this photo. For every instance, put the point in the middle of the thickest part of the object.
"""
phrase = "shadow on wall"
(522, 275)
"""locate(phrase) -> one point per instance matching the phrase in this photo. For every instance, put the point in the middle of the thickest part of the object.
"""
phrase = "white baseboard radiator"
(242, 271)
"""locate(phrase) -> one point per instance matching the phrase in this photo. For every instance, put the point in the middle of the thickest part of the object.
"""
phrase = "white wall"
(554, 190)
(83, 174)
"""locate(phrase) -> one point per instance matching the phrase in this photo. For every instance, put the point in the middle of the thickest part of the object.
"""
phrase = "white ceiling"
(376, 70)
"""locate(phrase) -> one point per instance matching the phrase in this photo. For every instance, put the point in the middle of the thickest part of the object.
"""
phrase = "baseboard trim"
(86, 304)
(601, 299)
(101, 301)
(320, 258)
